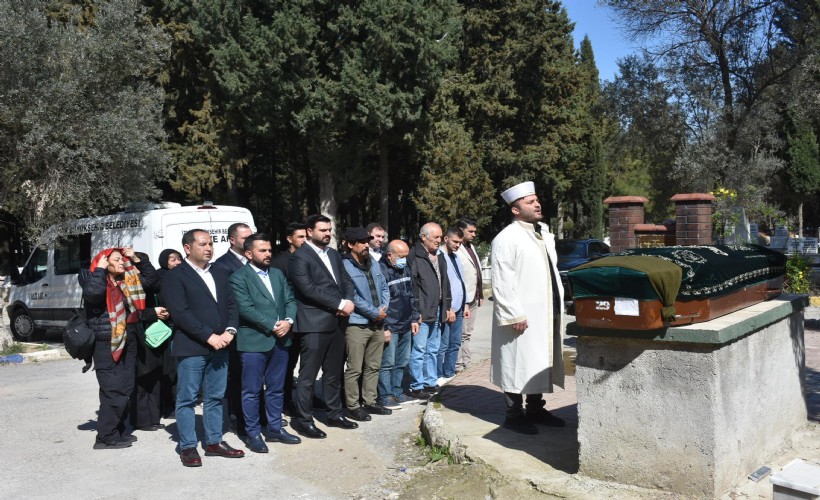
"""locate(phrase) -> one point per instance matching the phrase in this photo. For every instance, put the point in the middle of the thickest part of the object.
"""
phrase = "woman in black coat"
(155, 395)
(115, 305)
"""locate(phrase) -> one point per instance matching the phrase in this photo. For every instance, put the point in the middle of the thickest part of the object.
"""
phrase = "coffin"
(651, 288)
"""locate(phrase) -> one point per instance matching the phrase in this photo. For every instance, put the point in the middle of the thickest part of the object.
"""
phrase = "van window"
(36, 267)
(71, 253)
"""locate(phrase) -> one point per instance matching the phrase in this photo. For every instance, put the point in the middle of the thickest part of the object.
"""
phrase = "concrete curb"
(436, 434)
(54, 352)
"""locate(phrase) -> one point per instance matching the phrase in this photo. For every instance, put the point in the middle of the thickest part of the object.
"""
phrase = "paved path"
(473, 410)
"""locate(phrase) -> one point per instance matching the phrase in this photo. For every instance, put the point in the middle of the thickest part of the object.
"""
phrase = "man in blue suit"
(205, 322)
(266, 312)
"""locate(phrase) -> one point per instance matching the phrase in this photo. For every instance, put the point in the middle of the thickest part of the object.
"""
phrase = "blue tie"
(262, 273)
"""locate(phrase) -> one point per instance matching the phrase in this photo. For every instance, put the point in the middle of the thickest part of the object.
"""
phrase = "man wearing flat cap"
(527, 337)
(365, 334)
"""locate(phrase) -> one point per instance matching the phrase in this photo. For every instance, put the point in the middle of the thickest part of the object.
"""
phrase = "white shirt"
(322, 253)
(206, 276)
(242, 258)
(265, 279)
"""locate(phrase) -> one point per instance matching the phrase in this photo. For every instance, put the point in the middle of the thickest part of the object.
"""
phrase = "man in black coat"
(205, 318)
(229, 262)
(324, 300)
(234, 258)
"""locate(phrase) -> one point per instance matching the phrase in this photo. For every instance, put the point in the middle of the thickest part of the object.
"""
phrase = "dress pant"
(464, 354)
(116, 380)
(450, 344)
(233, 395)
(364, 345)
(424, 355)
(394, 361)
(210, 374)
(146, 403)
(293, 358)
(325, 350)
(263, 369)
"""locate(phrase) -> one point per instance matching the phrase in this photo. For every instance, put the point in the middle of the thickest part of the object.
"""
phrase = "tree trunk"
(800, 227)
(558, 230)
(384, 184)
(6, 340)
(327, 203)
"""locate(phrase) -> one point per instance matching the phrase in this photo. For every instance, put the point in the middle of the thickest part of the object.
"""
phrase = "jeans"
(424, 355)
(266, 368)
(210, 373)
(450, 344)
(394, 361)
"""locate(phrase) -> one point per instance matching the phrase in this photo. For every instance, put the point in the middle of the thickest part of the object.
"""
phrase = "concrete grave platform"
(694, 409)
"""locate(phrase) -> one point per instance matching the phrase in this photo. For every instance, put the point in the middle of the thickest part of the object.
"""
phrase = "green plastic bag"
(157, 333)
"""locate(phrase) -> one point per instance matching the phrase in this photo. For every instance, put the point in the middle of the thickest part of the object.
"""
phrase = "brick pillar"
(693, 217)
(625, 212)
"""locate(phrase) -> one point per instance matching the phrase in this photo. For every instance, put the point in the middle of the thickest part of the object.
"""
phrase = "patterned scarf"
(125, 289)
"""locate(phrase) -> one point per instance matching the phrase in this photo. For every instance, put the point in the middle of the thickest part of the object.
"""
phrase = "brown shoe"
(222, 449)
(190, 458)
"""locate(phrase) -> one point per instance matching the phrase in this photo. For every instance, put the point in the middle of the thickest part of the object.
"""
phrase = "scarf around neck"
(119, 292)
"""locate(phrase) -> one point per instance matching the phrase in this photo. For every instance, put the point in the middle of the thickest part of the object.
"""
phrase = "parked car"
(573, 253)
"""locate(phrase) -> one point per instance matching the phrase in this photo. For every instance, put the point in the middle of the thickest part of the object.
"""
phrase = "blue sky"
(608, 44)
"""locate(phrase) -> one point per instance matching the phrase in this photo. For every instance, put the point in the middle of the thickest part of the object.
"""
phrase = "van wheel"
(22, 326)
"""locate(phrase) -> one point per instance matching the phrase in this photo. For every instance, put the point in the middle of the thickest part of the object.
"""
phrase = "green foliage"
(797, 274)
(518, 90)
(804, 165)
(80, 114)
(453, 181)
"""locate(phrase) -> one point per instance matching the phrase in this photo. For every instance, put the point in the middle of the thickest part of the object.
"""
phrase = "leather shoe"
(308, 430)
(256, 444)
(128, 438)
(359, 414)
(378, 409)
(154, 427)
(190, 458)
(520, 424)
(544, 417)
(282, 436)
(222, 449)
(113, 445)
(342, 423)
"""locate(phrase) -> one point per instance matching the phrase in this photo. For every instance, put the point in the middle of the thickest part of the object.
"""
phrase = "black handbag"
(78, 336)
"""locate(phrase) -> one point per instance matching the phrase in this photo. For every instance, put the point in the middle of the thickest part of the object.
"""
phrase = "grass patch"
(14, 348)
(435, 453)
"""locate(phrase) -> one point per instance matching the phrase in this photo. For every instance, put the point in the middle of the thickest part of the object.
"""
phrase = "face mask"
(401, 262)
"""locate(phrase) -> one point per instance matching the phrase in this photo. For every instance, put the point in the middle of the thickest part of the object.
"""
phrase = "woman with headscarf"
(148, 404)
(168, 259)
(115, 306)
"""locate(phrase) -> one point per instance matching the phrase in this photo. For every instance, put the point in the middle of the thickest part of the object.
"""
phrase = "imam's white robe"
(526, 285)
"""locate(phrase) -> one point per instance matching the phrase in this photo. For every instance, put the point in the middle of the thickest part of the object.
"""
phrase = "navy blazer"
(317, 294)
(195, 313)
(228, 263)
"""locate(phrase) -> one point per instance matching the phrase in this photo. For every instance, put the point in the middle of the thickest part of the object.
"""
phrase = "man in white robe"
(527, 337)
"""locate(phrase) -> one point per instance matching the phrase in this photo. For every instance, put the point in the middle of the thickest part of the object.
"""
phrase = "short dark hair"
(293, 227)
(373, 225)
(248, 245)
(188, 238)
(235, 227)
(466, 222)
(314, 219)
(454, 231)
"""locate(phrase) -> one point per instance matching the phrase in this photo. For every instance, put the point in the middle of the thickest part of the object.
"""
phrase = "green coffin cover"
(706, 271)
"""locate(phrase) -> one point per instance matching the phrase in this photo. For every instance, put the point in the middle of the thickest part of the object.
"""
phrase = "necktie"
(264, 274)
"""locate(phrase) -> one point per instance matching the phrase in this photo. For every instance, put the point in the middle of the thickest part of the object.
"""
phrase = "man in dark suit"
(234, 258)
(296, 235)
(228, 263)
(266, 312)
(205, 321)
(324, 300)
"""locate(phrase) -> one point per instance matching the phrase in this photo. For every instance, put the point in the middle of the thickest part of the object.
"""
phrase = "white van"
(47, 291)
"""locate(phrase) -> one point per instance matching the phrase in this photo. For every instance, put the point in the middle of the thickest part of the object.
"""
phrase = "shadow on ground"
(556, 447)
